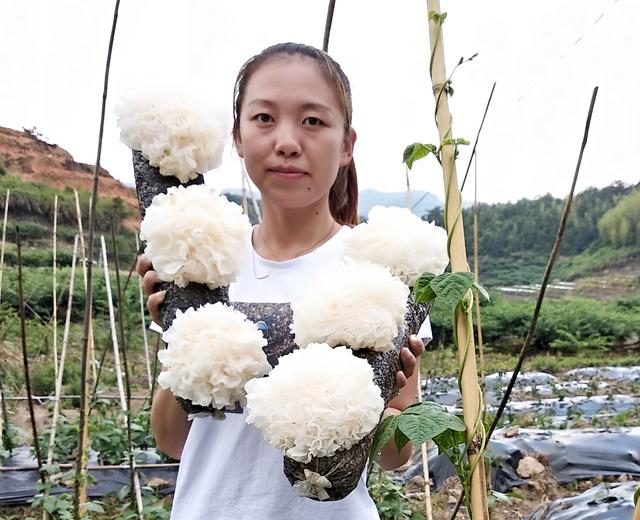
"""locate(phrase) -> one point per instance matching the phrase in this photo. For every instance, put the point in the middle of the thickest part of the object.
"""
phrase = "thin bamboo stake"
(425, 461)
(476, 270)
(475, 144)
(253, 198)
(3, 417)
(94, 393)
(25, 358)
(55, 289)
(406, 171)
(63, 354)
(4, 238)
(327, 25)
(83, 253)
(136, 493)
(60, 372)
(145, 339)
(4, 423)
(83, 437)
(471, 396)
(636, 514)
(547, 272)
(114, 334)
(245, 202)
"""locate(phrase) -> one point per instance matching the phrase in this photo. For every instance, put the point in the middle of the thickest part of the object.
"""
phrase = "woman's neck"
(287, 233)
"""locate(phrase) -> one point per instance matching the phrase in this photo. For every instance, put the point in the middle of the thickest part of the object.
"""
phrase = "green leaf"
(451, 287)
(636, 496)
(481, 291)
(400, 439)
(94, 507)
(457, 142)
(385, 430)
(422, 291)
(430, 422)
(449, 439)
(417, 151)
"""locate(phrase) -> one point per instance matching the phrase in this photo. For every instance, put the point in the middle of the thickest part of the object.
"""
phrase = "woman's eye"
(264, 118)
(312, 121)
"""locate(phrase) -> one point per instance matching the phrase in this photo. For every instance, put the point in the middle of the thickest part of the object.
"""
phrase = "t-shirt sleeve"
(425, 333)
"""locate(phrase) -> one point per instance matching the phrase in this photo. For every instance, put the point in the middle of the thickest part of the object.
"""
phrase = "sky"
(546, 57)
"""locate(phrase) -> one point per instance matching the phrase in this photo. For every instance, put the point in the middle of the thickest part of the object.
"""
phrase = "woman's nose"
(287, 142)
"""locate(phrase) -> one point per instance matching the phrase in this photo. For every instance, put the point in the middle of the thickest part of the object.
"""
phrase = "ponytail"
(343, 196)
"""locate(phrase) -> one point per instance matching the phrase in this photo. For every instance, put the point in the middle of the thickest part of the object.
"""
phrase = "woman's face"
(291, 132)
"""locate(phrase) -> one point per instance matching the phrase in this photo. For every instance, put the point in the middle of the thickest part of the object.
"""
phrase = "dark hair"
(343, 196)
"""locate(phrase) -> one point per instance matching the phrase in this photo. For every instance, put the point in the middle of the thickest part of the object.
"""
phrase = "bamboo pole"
(60, 372)
(636, 513)
(327, 25)
(471, 396)
(476, 270)
(63, 354)
(112, 322)
(253, 198)
(83, 253)
(3, 416)
(55, 289)
(425, 462)
(4, 238)
(136, 493)
(25, 358)
(145, 339)
(83, 437)
(245, 202)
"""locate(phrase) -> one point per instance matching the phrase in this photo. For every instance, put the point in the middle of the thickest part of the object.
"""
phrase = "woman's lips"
(287, 173)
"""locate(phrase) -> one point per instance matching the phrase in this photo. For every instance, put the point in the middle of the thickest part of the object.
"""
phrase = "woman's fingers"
(153, 303)
(149, 282)
(143, 264)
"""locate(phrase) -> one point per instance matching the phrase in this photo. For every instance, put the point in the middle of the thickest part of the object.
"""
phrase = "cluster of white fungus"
(360, 305)
(315, 401)
(211, 354)
(401, 241)
(193, 234)
(178, 138)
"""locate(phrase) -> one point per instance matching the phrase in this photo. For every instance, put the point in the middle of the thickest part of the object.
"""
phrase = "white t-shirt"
(227, 470)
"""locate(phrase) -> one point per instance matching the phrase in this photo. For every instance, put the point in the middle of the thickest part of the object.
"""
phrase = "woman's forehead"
(287, 78)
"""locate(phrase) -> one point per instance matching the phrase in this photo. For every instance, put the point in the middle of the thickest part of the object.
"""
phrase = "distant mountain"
(423, 200)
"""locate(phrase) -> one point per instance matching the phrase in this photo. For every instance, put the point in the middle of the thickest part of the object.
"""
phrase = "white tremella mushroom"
(211, 354)
(315, 402)
(194, 234)
(360, 305)
(173, 134)
(401, 241)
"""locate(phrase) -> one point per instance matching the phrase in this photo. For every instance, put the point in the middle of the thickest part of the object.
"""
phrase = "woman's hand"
(150, 280)
(408, 358)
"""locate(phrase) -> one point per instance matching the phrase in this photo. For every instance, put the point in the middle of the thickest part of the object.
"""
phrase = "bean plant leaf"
(400, 439)
(417, 151)
(457, 142)
(422, 291)
(385, 431)
(636, 496)
(94, 507)
(481, 291)
(426, 421)
(450, 440)
(451, 287)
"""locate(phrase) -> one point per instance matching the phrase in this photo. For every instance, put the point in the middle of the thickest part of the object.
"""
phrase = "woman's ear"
(347, 147)
(238, 143)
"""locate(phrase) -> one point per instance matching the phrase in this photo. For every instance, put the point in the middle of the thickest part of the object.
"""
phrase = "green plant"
(42, 377)
(388, 495)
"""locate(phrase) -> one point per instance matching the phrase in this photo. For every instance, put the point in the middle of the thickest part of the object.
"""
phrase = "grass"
(443, 361)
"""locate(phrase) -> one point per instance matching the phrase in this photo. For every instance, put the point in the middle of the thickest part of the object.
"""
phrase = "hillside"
(26, 156)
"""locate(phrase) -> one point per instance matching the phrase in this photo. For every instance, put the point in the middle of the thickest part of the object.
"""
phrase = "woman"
(292, 127)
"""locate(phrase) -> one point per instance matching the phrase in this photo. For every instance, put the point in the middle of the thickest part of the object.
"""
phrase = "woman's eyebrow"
(311, 105)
